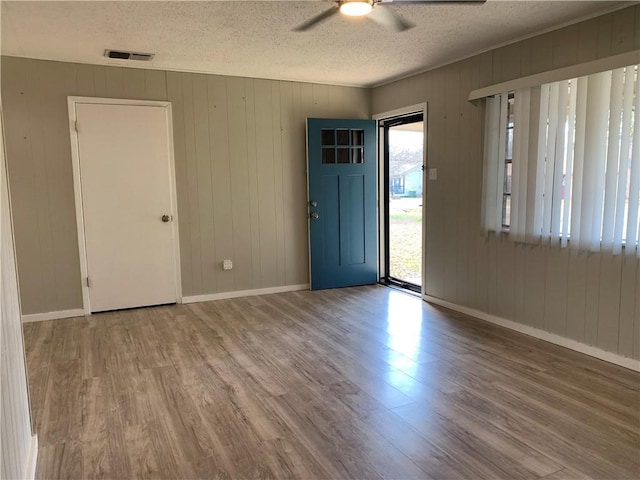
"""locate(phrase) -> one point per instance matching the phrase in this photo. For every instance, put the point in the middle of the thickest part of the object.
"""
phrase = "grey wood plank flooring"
(362, 383)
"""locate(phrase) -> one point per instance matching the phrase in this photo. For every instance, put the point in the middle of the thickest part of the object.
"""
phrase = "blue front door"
(341, 156)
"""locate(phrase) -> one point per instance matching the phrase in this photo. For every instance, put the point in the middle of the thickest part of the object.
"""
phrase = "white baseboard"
(79, 312)
(629, 363)
(244, 293)
(41, 317)
(30, 470)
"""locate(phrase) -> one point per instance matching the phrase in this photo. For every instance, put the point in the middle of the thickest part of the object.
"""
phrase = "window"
(508, 165)
(342, 145)
(564, 161)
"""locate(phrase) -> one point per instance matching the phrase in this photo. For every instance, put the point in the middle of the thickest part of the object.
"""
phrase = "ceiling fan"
(382, 16)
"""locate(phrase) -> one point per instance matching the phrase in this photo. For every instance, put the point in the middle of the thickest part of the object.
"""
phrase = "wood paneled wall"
(589, 297)
(240, 167)
(15, 419)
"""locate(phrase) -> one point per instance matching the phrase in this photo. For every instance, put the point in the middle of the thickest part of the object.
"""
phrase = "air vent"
(123, 55)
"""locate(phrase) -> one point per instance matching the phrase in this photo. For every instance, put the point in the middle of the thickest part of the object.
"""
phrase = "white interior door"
(126, 184)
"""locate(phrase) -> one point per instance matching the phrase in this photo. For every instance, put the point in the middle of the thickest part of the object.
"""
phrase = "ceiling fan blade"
(390, 19)
(479, 2)
(312, 22)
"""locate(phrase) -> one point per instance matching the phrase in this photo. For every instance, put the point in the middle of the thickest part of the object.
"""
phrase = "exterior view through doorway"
(403, 173)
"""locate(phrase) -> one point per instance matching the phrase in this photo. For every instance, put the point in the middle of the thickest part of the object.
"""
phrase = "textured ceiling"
(254, 38)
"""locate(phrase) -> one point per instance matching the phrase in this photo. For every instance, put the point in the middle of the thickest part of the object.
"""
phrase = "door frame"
(72, 101)
(382, 188)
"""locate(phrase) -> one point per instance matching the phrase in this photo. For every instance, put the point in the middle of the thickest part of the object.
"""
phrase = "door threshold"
(402, 289)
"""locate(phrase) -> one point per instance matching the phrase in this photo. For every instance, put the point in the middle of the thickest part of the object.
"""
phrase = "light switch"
(433, 174)
(227, 264)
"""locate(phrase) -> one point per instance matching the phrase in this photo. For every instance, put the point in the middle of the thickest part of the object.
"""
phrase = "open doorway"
(403, 172)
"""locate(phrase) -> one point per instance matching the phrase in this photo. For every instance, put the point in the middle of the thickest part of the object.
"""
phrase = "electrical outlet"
(227, 264)
(433, 174)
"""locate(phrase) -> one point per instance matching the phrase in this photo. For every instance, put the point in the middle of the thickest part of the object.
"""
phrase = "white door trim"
(417, 108)
(72, 101)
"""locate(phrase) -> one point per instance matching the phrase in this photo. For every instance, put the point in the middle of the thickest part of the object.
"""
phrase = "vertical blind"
(576, 166)
(494, 155)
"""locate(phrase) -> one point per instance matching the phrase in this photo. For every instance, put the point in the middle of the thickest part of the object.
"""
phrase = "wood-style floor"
(360, 383)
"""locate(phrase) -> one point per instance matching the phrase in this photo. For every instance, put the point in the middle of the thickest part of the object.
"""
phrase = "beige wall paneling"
(207, 126)
(449, 179)
(492, 273)
(496, 63)
(535, 274)
(85, 81)
(195, 195)
(45, 213)
(555, 290)
(18, 448)
(542, 53)
(254, 199)
(100, 80)
(605, 31)
(565, 46)
(239, 179)
(511, 61)
(22, 172)
(240, 172)
(336, 104)
(276, 104)
(525, 57)
(114, 82)
(636, 36)
(357, 106)
(55, 78)
(473, 167)
(590, 298)
(576, 295)
(519, 284)
(134, 83)
(266, 188)
(42, 172)
(505, 269)
(288, 159)
(480, 283)
(293, 183)
(321, 100)
(465, 217)
(436, 144)
(609, 302)
(629, 296)
(155, 85)
(622, 35)
(636, 318)
(306, 102)
(588, 41)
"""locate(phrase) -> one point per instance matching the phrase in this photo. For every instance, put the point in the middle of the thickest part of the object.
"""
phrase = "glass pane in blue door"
(328, 137)
(328, 155)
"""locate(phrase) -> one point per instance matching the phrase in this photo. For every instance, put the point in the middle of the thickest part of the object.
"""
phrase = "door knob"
(166, 218)
(314, 216)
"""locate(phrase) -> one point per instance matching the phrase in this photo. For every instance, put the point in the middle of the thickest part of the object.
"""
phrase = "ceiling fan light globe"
(355, 8)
